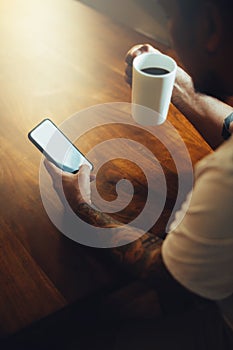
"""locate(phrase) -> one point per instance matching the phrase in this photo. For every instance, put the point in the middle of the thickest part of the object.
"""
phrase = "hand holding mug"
(152, 76)
(131, 55)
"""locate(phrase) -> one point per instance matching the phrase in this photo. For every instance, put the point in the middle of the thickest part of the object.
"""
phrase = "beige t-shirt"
(199, 251)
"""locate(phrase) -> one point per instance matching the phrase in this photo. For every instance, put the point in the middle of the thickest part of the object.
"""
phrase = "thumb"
(84, 183)
(84, 175)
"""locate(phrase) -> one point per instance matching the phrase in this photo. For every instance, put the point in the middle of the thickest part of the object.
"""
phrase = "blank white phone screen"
(58, 147)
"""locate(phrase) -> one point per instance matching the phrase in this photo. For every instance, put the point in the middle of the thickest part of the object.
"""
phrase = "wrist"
(81, 207)
(76, 202)
(193, 105)
(183, 85)
(183, 91)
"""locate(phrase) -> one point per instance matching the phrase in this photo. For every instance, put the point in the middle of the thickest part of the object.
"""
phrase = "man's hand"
(204, 112)
(132, 54)
(76, 187)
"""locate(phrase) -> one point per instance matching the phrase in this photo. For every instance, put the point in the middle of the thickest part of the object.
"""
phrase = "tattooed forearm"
(139, 257)
(95, 217)
(142, 258)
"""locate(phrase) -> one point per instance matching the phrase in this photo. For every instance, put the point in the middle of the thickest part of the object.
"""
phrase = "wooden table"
(58, 57)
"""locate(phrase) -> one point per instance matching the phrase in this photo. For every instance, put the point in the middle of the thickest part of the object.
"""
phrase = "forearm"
(142, 258)
(137, 257)
(204, 112)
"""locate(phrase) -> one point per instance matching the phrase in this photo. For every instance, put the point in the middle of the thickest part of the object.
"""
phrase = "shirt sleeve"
(199, 251)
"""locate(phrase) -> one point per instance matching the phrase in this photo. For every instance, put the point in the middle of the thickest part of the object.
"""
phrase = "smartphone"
(51, 141)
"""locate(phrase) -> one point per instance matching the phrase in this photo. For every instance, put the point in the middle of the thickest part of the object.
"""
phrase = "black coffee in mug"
(155, 71)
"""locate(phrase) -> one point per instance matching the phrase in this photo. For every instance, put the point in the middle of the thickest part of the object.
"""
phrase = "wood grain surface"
(57, 58)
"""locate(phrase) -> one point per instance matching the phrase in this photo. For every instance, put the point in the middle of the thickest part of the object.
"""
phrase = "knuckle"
(129, 59)
(128, 71)
(132, 53)
(136, 51)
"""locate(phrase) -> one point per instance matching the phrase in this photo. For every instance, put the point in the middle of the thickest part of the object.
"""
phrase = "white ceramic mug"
(151, 94)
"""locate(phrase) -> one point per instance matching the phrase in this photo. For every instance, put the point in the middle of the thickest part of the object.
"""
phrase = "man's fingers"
(84, 175)
(128, 80)
(128, 74)
(131, 55)
(84, 182)
(136, 51)
(128, 71)
(51, 168)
